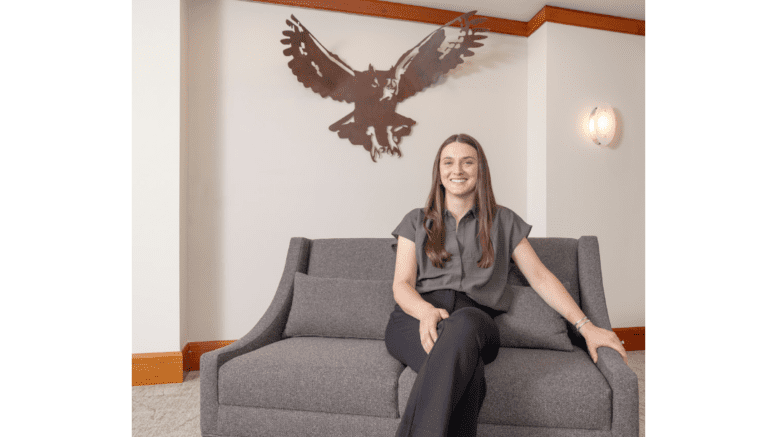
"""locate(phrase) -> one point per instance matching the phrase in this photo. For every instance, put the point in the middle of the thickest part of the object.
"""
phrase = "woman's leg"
(464, 419)
(403, 338)
(450, 386)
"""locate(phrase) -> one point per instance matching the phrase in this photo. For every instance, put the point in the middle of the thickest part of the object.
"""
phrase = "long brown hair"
(484, 199)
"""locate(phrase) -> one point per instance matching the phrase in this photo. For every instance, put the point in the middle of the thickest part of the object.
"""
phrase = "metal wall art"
(374, 124)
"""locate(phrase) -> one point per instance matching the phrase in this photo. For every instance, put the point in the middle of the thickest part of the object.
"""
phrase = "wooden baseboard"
(633, 338)
(157, 368)
(193, 351)
(168, 367)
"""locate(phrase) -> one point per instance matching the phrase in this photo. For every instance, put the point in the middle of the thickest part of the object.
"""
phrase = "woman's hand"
(428, 326)
(596, 337)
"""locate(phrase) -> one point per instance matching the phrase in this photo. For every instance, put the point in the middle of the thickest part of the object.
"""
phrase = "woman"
(449, 284)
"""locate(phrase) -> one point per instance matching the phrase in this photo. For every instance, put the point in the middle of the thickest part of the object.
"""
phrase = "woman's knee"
(474, 327)
(472, 319)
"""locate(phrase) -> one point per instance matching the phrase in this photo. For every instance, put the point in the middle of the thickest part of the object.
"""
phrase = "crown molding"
(422, 14)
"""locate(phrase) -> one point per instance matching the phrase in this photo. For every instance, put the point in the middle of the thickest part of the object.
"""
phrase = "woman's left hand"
(596, 337)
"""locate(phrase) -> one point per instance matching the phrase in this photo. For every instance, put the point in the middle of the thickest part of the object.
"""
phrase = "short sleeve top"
(486, 286)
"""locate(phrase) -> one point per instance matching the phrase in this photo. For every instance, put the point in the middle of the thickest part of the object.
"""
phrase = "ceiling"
(524, 10)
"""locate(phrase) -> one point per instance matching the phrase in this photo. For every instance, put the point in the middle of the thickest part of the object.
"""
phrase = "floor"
(173, 410)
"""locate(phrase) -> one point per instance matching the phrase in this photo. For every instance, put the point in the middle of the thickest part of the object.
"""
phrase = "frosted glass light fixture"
(601, 125)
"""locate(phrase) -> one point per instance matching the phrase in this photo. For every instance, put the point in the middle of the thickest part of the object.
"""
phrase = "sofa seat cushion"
(539, 388)
(330, 375)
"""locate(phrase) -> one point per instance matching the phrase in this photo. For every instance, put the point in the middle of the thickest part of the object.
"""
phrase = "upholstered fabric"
(343, 308)
(354, 258)
(267, 385)
(329, 375)
(532, 323)
(273, 422)
(268, 422)
(559, 255)
(267, 330)
(552, 389)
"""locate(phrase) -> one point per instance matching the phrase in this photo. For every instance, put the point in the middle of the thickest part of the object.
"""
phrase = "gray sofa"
(316, 365)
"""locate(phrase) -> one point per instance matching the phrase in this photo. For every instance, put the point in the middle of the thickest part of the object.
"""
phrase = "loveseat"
(315, 364)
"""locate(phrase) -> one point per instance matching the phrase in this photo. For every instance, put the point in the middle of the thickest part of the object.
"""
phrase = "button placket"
(453, 244)
(459, 247)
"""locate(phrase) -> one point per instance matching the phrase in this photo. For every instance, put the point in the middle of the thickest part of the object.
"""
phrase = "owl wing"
(437, 54)
(315, 66)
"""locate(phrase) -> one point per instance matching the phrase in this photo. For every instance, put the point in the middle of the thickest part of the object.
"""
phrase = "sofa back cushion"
(347, 291)
(352, 258)
(559, 255)
(338, 307)
(532, 323)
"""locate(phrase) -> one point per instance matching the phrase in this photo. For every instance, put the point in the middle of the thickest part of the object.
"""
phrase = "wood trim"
(398, 11)
(423, 14)
(552, 14)
(193, 351)
(157, 368)
(168, 367)
(634, 338)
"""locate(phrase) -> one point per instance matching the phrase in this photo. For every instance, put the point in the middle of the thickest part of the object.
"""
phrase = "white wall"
(156, 52)
(263, 166)
(218, 193)
(537, 132)
(593, 190)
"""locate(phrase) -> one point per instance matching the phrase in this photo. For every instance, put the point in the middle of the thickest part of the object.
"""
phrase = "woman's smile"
(459, 169)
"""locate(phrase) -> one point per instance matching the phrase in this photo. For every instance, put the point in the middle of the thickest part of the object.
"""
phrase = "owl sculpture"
(374, 123)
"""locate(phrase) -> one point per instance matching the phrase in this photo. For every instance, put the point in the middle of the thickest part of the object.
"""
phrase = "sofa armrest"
(620, 377)
(589, 266)
(268, 329)
(625, 392)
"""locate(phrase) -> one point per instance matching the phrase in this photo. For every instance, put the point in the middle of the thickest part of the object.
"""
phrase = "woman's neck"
(459, 206)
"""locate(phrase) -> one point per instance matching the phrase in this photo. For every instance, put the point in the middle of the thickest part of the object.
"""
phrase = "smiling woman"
(450, 282)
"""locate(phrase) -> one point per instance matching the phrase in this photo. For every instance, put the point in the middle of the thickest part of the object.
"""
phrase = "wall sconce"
(601, 125)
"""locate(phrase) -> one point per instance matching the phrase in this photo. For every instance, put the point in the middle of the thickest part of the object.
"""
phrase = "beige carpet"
(173, 410)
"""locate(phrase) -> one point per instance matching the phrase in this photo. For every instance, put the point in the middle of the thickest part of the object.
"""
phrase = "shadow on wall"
(491, 56)
(205, 172)
(616, 140)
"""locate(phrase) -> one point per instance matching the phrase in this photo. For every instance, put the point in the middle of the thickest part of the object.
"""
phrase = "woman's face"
(459, 169)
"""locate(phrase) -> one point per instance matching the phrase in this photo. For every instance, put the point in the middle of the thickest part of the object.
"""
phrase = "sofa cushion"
(559, 255)
(335, 307)
(538, 388)
(357, 258)
(532, 323)
(329, 375)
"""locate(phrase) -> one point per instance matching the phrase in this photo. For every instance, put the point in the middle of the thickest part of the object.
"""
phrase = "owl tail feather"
(347, 127)
(383, 137)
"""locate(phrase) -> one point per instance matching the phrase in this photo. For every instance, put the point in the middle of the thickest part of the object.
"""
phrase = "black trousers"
(450, 387)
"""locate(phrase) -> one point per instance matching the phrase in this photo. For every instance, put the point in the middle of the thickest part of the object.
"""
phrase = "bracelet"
(578, 324)
(578, 328)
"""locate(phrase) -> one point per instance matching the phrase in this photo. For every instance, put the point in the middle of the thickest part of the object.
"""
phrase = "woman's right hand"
(428, 326)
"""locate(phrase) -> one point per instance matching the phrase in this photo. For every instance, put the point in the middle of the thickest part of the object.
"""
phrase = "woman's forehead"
(458, 150)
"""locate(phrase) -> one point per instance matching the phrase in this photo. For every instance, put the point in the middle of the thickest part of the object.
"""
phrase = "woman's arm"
(554, 294)
(407, 297)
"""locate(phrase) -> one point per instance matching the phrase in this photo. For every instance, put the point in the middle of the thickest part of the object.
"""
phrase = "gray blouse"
(484, 286)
